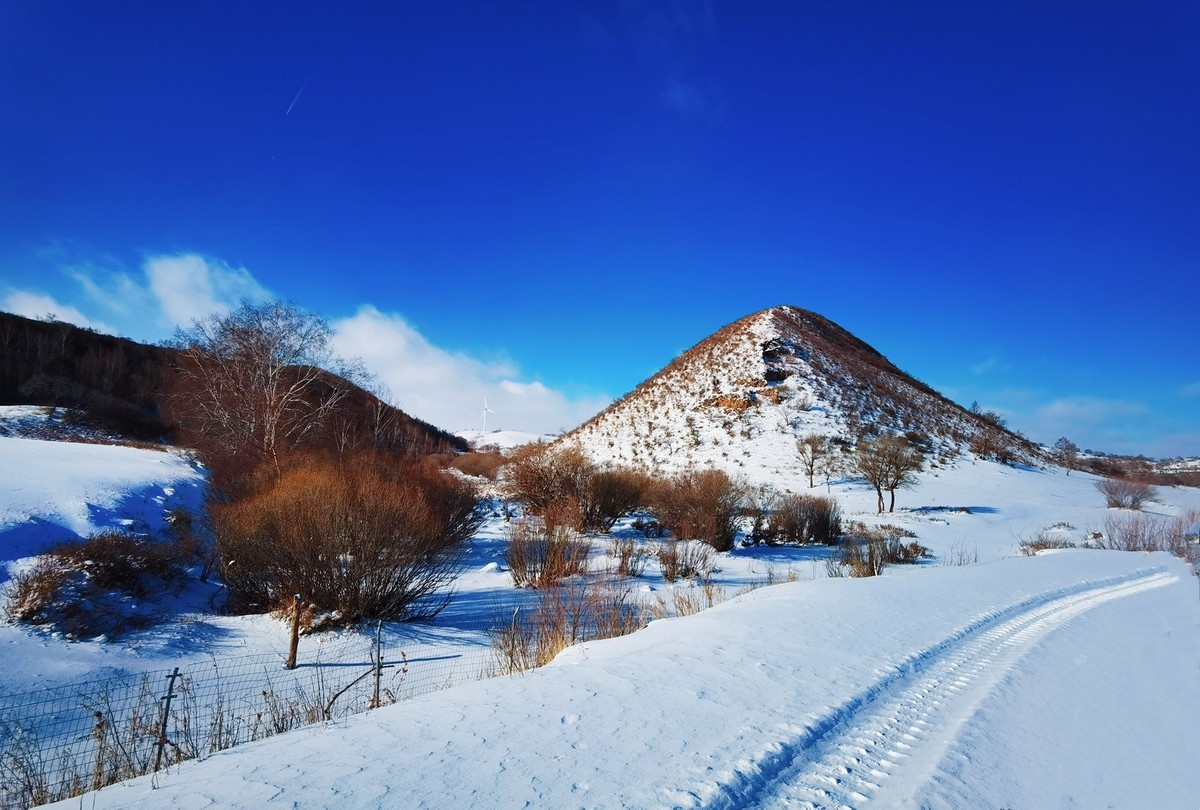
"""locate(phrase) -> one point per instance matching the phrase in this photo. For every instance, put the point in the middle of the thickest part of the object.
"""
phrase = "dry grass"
(684, 559)
(540, 557)
(571, 613)
(629, 559)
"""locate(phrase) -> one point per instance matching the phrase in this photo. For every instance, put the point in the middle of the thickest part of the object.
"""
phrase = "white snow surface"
(502, 439)
(1062, 680)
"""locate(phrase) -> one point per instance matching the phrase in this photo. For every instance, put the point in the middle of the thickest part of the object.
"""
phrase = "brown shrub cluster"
(481, 465)
(700, 506)
(565, 489)
(359, 540)
(807, 519)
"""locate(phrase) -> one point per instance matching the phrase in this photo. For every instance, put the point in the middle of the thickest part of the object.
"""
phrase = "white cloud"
(170, 291)
(189, 286)
(36, 305)
(1191, 390)
(448, 388)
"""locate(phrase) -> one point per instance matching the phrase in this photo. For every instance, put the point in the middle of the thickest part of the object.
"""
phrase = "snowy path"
(882, 746)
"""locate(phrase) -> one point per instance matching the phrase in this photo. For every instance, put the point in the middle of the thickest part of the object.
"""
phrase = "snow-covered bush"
(869, 550)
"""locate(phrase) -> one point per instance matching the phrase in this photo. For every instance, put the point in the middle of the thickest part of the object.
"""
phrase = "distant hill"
(741, 398)
(120, 385)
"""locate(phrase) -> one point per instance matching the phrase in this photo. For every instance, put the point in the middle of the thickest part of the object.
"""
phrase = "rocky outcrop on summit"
(740, 399)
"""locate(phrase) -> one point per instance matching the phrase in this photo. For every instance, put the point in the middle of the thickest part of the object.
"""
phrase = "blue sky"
(545, 202)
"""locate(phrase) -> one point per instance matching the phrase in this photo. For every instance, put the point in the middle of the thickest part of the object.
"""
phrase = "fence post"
(166, 714)
(98, 736)
(291, 661)
(378, 662)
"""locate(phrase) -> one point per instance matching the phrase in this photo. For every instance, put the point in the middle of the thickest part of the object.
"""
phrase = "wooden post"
(378, 662)
(291, 661)
(98, 736)
(166, 714)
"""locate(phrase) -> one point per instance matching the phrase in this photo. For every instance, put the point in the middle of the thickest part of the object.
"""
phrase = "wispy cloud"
(167, 291)
(37, 305)
(1191, 390)
(448, 388)
(190, 286)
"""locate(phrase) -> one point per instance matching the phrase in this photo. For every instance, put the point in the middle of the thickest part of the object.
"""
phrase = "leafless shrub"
(609, 495)
(561, 485)
(1142, 532)
(540, 474)
(629, 558)
(359, 540)
(959, 554)
(84, 588)
(1120, 493)
(1044, 539)
(539, 557)
(684, 559)
(700, 506)
(807, 519)
(868, 551)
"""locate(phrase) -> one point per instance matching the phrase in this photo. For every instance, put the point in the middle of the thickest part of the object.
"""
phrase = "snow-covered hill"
(741, 398)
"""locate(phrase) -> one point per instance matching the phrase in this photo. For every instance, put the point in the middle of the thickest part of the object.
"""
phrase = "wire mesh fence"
(63, 741)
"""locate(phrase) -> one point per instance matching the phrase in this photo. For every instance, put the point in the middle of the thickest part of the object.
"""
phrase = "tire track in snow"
(883, 744)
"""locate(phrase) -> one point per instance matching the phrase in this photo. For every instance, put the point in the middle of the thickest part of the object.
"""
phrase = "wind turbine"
(486, 411)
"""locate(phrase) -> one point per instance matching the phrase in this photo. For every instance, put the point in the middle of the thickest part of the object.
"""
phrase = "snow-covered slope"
(52, 491)
(741, 398)
(839, 693)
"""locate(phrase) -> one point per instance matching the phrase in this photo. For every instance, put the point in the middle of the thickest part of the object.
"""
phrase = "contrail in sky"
(297, 98)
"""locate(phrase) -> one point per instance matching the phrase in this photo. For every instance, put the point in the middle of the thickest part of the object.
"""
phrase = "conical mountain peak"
(741, 398)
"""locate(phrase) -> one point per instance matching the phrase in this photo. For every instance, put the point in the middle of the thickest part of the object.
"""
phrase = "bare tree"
(257, 380)
(814, 453)
(888, 464)
(1067, 453)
